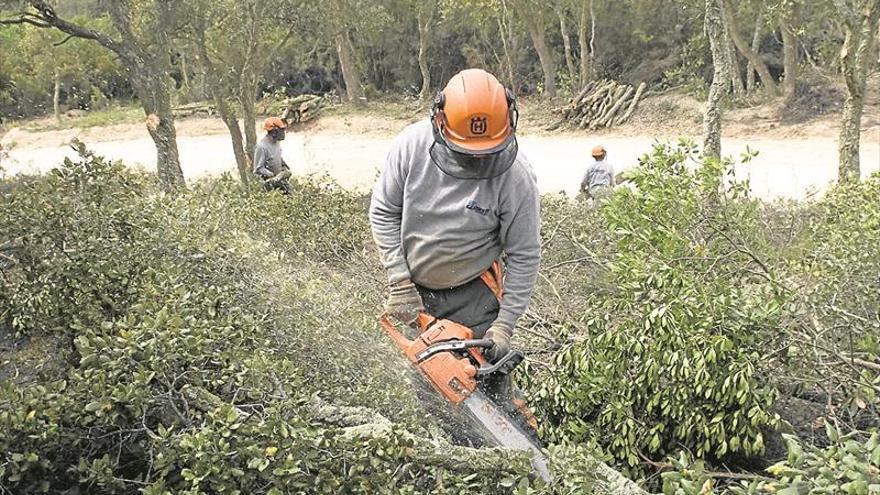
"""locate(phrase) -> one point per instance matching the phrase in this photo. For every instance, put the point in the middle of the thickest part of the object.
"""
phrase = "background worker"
(598, 180)
(268, 163)
(454, 196)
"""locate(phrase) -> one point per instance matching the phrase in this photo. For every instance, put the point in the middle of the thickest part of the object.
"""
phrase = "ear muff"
(512, 109)
(438, 118)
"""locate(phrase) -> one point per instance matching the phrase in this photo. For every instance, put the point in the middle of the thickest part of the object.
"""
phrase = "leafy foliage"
(849, 465)
(139, 285)
(669, 357)
(176, 344)
(87, 74)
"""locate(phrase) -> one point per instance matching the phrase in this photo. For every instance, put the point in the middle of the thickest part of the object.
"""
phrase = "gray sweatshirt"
(267, 157)
(599, 174)
(443, 232)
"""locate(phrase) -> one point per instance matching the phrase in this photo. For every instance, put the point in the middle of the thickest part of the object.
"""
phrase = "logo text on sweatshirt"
(472, 205)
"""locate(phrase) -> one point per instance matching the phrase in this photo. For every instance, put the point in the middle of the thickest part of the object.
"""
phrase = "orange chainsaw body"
(452, 375)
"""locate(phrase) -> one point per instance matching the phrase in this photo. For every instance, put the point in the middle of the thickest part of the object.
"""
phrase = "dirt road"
(784, 168)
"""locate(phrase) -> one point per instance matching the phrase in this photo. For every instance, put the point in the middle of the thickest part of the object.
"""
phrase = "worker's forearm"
(385, 219)
(520, 277)
(386, 233)
(386, 215)
(521, 242)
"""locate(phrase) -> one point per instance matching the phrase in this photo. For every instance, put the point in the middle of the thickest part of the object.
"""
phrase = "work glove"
(404, 302)
(280, 176)
(499, 334)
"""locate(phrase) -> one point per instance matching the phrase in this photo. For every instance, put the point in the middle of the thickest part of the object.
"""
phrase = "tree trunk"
(508, 43)
(736, 82)
(566, 42)
(534, 19)
(350, 73)
(753, 57)
(56, 98)
(242, 161)
(584, 44)
(788, 21)
(850, 137)
(227, 113)
(248, 101)
(424, 19)
(592, 39)
(167, 157)
(184, 73)
(720, 81)
(856, 57)
(756, 47)
(153, 92)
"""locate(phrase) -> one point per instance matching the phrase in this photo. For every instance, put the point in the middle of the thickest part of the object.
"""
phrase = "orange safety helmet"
(598, 151)
(474, 114)
(273, 123)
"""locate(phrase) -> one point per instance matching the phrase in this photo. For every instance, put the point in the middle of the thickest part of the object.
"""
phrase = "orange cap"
(598, 151)
(476, 113)
(273, 123)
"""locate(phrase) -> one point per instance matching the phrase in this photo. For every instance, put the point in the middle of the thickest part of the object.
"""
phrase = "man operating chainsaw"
(456, 195)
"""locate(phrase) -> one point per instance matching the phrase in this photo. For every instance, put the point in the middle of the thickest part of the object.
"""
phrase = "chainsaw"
(452, 362)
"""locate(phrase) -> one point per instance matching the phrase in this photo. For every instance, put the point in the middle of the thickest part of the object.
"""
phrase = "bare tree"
(736, 82)
(143, 45)
(425, 11)
(587, 42)
(532, 13)
(562, 13)
(860, 20)
(788, 24)
(756, 47)
(754, 58)
(220, 88)
(339, 12)
(509, 43)
(720, 80)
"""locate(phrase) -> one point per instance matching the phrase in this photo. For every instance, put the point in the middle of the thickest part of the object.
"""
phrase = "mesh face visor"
(473, 167)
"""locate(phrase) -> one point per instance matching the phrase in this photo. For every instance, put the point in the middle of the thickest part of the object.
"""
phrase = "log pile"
(600, 104)
(198, 109)
(302, 108)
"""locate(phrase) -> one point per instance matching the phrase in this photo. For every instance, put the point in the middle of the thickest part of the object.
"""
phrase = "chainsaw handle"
(453, 346)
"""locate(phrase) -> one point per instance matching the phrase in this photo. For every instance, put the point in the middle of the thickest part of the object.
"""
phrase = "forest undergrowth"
(225, 340)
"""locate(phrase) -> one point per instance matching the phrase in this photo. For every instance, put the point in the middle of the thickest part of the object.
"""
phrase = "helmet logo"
(478, 125)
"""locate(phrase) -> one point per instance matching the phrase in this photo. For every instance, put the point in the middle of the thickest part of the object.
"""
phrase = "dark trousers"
(471, 304)
(281, 185)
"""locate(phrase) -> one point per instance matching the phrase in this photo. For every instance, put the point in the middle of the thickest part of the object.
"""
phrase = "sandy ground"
(793, 161)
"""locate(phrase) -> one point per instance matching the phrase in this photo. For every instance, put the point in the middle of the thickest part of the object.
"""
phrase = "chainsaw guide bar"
(452, 361)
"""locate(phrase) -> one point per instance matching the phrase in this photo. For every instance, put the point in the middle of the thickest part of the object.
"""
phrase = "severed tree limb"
(632, 106)
(360, 423)
(607, 119)
(464, 459)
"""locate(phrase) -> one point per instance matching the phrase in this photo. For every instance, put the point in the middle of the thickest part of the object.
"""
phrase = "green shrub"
(849, 465)
(192, 345)
(669, 359)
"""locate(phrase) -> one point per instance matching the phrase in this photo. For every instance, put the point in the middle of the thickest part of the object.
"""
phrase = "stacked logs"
(600, 104)
(199, 109)
(303, 108)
